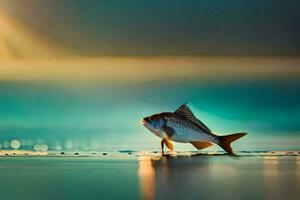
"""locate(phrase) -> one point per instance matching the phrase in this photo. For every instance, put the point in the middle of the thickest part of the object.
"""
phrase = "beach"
(144, 175)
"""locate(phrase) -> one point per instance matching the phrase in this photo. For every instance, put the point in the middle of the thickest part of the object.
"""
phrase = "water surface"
(262, 175)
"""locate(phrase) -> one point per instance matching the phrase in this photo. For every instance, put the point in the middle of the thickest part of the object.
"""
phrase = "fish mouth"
(144, 122)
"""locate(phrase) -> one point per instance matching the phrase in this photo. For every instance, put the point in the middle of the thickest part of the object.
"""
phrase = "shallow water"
(86, 142)
(147, 175)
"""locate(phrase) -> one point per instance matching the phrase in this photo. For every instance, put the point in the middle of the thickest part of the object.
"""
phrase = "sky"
(148, 40)
(237, 61)
(169, 27)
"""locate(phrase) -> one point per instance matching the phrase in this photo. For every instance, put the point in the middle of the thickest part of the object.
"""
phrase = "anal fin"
(201, 145)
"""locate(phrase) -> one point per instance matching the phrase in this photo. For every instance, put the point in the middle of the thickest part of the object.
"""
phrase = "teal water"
(149, 177)
(106, 117)
(68, 178)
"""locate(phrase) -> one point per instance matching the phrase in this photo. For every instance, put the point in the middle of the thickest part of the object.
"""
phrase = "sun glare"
(18, 41)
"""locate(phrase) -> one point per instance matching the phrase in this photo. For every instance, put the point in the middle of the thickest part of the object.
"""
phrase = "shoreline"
(138, 154)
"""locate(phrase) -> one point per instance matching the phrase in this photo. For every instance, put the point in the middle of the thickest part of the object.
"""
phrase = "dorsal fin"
(186, 111)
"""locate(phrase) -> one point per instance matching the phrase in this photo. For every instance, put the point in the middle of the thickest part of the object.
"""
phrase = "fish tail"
(226, 140)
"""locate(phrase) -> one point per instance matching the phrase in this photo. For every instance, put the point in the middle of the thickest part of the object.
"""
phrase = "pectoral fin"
(169, 131)
(169, 144)
(201, 145)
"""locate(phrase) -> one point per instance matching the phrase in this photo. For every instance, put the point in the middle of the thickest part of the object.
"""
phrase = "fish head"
(154, 123)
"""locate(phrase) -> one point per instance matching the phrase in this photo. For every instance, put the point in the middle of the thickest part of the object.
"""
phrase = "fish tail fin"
(226, 140)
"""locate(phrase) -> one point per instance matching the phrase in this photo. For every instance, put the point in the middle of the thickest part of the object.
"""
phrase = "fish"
(184, 127)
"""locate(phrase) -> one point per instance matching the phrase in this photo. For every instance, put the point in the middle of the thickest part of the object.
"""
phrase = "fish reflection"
(163, 177)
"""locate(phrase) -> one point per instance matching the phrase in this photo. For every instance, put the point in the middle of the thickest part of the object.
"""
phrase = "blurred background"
(79, 75)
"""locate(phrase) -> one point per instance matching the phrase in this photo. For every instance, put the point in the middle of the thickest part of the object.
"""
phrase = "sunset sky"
(148, 40)
(170, 27)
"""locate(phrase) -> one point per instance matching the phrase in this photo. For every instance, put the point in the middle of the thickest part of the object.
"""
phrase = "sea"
(85, 141)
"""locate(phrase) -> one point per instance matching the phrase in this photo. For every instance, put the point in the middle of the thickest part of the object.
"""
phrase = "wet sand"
(147, 175)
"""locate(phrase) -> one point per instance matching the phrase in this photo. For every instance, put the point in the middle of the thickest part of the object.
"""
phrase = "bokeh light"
(15, 144)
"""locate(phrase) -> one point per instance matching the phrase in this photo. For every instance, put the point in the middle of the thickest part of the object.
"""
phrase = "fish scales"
(186, 130)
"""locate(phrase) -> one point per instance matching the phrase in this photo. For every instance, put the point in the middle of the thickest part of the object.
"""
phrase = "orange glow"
(147, 178)
(17, 41)
(26, 55)
(124, 69)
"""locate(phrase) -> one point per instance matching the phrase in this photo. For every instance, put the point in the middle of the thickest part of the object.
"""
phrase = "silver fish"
(182, 126)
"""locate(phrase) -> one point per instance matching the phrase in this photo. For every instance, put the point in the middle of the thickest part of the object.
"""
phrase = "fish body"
(186, 130)
(182, 126)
